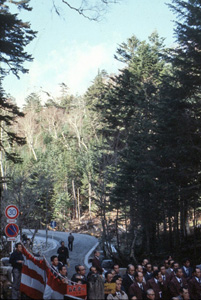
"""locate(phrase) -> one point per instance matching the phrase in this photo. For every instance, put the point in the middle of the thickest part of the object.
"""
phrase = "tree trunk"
(194, 229)
(75, 214)
(132, 253)
(89, 194)
(33, 151)
(117, 231)
(147, 238)
(4, 184)
(126, 226)
(78, 204)
(170, 232)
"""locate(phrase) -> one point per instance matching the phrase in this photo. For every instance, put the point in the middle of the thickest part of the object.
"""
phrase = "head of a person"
(178, 272)
(113, 272)
(186, 262)
(77, 268)
(170, 262)
(162, 269)
(108, 277)
(169, 257)
(139, 268)
(96, 253)
(138, 277)
(82, 270)
(93, 270)
(166, 263)
(116, 277)
(70, 233)
(149, 267)
(54, 260)
(62, 244)
(150, 294)
(197, 273)
(62, 270)
(155, 268)
(118, 285)
(184, 293)
(18, 247)
(116, 268)
(157, 274)
(175, 265)
(131, 269)
(145, 262)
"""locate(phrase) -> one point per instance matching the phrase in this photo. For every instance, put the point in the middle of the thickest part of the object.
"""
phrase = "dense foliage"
(128, 150)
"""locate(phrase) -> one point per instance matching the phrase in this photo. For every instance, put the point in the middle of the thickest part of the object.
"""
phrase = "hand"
(20, 261)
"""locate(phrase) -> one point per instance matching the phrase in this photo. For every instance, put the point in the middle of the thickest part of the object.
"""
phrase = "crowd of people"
(169, 280)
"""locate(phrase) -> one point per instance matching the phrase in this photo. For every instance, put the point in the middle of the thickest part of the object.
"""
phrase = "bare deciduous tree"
(93, 10)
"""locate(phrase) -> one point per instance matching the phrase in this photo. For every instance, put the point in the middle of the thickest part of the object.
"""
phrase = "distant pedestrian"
(70, 242)
(16, 260)
(63, 253)
(96, 262)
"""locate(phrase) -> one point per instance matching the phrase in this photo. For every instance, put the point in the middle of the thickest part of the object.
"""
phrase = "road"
(82, 246)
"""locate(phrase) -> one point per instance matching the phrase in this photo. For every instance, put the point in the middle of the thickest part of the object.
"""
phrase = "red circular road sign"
(11, 230)
(12, 212)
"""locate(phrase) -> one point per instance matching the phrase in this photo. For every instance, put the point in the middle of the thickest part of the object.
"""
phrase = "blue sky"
(72, 49)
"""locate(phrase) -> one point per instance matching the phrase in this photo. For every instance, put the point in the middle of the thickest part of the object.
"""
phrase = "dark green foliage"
(14, 36)
(187, 56)
(129, 149)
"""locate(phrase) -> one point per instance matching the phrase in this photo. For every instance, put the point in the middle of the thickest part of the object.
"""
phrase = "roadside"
(83, 246)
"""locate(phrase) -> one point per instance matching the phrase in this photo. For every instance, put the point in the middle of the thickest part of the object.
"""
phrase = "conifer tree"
(15, 34)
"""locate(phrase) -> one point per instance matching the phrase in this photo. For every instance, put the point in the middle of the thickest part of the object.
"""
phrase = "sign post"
(53, 224)
(11, 212)
(11, 229)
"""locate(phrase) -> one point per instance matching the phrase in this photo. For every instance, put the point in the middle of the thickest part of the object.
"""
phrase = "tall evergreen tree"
(14, 36)
(129, 112)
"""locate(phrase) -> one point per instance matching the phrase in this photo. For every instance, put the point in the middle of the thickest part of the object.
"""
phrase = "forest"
(128, 151)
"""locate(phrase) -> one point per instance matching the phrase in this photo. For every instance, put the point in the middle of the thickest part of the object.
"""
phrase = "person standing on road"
(63, 253)
(16, 260)
(70, 242)
(96, 262)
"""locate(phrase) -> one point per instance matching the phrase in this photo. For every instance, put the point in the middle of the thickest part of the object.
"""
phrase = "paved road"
(82, 245)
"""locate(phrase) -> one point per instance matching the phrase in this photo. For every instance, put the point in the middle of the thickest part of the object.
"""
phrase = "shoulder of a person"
(134, 285)
(125, 276)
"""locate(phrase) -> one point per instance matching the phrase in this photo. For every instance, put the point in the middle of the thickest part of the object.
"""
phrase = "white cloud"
(76, 66)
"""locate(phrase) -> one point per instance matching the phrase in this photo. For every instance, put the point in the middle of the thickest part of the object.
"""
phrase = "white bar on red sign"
(11, 221)
(11, 239)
